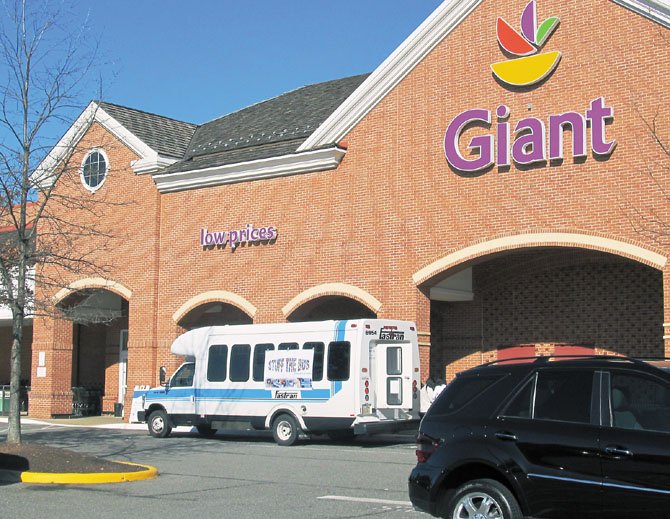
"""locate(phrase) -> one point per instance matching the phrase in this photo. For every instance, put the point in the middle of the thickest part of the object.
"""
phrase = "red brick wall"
(394, 205)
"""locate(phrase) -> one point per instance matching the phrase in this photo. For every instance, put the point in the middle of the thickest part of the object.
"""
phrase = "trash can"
(118, 410)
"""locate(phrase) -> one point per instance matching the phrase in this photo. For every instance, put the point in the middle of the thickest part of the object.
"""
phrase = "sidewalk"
(97, 422)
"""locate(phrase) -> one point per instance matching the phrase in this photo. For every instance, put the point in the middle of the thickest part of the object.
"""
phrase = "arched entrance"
(99, 349)
(216, 313)
(336, 301)
(331, 307)
(548, 300)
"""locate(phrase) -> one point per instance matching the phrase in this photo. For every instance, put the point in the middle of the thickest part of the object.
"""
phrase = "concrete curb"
(93, 478)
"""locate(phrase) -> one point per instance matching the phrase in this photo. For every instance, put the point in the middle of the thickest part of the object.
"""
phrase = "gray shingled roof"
(168, 137)
(267, 129)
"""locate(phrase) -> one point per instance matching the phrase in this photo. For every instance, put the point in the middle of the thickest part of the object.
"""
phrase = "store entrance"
(544, 301)
(99, 351)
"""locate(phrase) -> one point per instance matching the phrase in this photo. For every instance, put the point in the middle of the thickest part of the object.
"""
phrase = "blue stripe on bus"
(231, 394)
(340, 328)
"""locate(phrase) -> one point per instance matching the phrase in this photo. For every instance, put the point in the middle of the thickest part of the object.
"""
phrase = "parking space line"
(366, 500)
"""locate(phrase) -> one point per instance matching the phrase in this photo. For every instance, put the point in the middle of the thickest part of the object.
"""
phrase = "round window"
(94, 170)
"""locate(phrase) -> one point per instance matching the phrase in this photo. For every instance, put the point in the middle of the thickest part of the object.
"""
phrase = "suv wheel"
(482, 499)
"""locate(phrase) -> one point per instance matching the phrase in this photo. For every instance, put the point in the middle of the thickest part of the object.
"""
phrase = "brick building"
(519, 208)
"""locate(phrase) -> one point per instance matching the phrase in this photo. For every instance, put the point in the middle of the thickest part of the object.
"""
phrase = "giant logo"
(528, 67)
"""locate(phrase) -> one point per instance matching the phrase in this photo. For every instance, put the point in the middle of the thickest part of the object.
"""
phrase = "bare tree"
(47, 65)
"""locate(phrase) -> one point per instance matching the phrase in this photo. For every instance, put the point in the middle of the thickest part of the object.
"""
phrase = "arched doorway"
(544, 299)
(215, 313)
(331, 307)
(99, 349)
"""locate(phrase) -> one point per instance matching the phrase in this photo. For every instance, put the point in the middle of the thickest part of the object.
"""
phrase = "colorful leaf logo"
(531, 67)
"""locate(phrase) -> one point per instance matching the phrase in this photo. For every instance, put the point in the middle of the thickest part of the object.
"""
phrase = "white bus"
(341, 378)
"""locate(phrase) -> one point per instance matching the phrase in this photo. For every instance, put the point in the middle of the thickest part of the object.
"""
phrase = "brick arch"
(88, 283)
(333, 289)
(214, 296)
(541, 239)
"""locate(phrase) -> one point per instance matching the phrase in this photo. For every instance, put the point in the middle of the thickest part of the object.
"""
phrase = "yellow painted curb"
(89, 478)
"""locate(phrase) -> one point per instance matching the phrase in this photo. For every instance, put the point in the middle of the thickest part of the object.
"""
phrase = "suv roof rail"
(543, 359)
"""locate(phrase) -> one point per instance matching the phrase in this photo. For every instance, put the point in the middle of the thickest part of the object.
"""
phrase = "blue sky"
(197, 60)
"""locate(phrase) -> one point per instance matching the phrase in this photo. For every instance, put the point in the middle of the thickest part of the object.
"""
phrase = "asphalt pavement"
(232, 475)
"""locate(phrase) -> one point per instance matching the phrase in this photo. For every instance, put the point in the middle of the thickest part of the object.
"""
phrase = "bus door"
(392, 375)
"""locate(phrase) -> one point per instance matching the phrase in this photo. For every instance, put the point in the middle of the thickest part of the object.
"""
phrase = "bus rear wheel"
(285, 430)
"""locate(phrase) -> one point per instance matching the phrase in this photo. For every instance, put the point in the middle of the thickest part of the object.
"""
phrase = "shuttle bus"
(341, 378)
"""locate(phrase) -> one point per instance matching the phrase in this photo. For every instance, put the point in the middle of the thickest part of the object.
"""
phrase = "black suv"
(548, 438)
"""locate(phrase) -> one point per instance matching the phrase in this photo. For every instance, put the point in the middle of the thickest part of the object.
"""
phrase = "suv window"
(563, 396)
(461, 391)
(639, 402)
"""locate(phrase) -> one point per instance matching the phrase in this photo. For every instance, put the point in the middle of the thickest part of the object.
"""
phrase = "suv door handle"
(617, 450)
(506, 436)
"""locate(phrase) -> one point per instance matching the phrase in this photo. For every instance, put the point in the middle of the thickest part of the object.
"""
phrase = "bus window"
(239, 362)
(339, 357)
(259, 360)
(218, 360)
(288, 346)
(317, 367)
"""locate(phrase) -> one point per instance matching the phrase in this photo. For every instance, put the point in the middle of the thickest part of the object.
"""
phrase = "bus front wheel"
(159, 424)
(285, 430)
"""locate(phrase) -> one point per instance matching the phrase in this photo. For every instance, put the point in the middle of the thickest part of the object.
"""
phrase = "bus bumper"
(386, 426)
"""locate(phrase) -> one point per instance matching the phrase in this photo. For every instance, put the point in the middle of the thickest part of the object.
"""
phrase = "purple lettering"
(233, 238)
(530, 137)
(557, 124)
(599, 114)
(482, 144)
(503, 136)
(529, 144)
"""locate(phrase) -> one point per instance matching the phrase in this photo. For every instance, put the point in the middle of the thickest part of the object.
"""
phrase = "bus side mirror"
(162, 374)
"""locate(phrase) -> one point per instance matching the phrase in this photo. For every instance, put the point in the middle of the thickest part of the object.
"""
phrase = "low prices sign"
(288, 369)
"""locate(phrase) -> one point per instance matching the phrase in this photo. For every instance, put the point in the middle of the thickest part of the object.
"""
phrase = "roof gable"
(169, 137)
(165, 137)
(413, 50)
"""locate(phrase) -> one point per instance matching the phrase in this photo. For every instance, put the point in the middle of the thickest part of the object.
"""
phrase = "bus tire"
(159, 424)
(285, 430)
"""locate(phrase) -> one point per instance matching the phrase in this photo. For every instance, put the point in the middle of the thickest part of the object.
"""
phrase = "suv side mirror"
(162, 374)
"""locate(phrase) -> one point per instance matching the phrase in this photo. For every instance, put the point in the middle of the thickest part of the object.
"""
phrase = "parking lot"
(240, 475)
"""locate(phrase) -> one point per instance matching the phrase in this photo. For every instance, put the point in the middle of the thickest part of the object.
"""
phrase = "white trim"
(293, 164)
(536, 240)
(100, 151)
(151, 164)
(149, 160)
(656, 10)
(393, 70)
(80, 284)
(438, 293)
(214, 295)
(329, 289)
